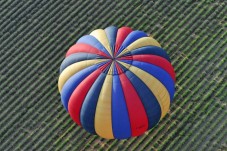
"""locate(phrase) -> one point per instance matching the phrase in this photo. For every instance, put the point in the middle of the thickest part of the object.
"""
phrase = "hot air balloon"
(116, 83)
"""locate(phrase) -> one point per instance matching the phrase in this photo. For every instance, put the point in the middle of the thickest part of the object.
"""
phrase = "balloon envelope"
(116, 83)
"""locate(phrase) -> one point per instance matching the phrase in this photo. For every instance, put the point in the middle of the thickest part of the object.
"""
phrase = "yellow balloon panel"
(103, 120)
(142, 42)
(100, 35)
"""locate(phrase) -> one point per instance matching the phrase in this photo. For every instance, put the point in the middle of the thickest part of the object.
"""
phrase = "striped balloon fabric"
(116, 83)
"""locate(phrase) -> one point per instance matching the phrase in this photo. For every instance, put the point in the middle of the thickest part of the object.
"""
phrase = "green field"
(35, 35)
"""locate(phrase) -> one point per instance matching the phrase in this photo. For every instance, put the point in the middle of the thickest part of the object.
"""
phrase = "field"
(35, 35)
